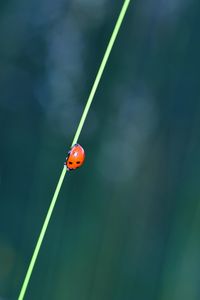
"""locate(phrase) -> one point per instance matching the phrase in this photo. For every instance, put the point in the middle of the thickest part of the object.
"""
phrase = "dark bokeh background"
(127, 225)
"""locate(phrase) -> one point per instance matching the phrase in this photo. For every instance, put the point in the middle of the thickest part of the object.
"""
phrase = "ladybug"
(75, 158)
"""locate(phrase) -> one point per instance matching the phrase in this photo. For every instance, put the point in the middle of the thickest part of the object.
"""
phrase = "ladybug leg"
(66, 167)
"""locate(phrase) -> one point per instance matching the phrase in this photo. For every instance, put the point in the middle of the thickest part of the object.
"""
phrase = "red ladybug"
(75, 158)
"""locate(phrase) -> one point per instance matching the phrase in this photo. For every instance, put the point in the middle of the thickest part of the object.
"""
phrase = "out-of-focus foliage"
(126, 225)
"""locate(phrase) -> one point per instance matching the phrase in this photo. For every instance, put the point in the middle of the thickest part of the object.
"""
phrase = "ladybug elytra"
(75, 158)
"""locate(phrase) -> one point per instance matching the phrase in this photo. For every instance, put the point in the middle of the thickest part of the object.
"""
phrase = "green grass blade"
(77, 134)
(41, 236)
(101, 69)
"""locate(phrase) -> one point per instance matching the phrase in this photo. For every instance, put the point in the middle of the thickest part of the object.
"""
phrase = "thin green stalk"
(77, 134)
(101, 69)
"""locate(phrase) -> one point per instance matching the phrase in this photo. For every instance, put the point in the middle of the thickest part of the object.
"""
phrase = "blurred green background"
(127, 224)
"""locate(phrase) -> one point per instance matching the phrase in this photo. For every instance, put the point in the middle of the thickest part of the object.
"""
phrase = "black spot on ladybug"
(78, 162)
(70, 163)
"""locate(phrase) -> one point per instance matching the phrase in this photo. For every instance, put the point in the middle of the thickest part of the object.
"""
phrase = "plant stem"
(77, 134)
